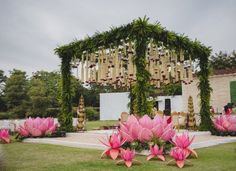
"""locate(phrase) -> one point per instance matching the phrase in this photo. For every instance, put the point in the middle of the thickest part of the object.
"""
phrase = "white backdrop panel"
(112, 104)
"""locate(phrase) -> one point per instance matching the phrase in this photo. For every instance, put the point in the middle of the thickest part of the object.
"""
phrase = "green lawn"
(97, 124)
(41, 157)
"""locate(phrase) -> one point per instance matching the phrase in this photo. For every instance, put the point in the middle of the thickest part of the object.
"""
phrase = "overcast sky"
(30, 30)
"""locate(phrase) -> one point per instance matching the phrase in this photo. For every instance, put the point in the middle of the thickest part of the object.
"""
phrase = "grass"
(97, 124)
(41, 157)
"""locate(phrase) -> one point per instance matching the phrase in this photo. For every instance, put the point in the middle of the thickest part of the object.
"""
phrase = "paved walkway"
(90, 139)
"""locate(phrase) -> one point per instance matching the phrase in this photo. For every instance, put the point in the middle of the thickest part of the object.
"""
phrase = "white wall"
(176, 103)
(13, 124)
(112, 104)
(220, 94)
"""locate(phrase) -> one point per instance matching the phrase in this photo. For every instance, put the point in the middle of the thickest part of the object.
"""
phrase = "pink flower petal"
(180, 163)
(128, 163)
(149, 157)
(114, 153)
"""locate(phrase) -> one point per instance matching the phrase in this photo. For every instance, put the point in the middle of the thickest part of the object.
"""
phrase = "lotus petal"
(149, 157)
(23, 132)
(145, 135)
(135, 130)
(126, 136)
(37, 122)
(114, 153)
(4, 135)
(158, 131)
(146, 122)
(180, 163)
(107, 152)
(29, 123)
(131, 120)
(128, 163)
(161, 157)
(35, 132)
(232, 127)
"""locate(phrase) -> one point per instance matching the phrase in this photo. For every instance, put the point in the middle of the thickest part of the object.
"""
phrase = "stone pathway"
(90, 139)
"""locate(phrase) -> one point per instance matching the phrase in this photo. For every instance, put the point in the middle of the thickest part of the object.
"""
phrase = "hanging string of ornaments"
(115, 66)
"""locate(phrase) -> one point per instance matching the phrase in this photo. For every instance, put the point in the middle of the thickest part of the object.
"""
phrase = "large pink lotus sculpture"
(145, 129)
(225, 123)
(114, 143)
(179, 156)
(127, 157)
(37, 127)
(155, 151)
(183, 141)
(4, 136)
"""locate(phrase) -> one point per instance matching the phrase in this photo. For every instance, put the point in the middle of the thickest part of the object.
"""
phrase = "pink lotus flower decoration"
(183, 141)
(156, 152)
(145, 129)
(179, 156)
(162, 129)
(232, 120)
(127, 157)
(37, 127)
(114, 142)
(4, 136)
(225, 123)
(130, 130)
(23, 131)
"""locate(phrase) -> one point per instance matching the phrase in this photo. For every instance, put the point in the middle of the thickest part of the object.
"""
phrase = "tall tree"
(51, 80)
(39, 101)
(16, 93)
(2, 85)
(223, 60)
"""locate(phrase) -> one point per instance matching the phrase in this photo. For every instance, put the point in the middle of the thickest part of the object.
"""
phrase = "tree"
(223, 60)
(2, 85)
(16, 93)
(170, 89)
(39, 101)
(3, 79)
(51, 81)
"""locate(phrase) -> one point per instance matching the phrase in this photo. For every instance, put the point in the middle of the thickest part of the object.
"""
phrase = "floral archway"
(140, 32)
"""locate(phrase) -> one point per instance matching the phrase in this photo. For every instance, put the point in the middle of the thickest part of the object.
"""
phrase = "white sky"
(30, 30)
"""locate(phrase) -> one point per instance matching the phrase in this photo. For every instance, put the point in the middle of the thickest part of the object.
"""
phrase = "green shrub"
(52, 112)
(91, 114)
(7, 115)
(74, 112)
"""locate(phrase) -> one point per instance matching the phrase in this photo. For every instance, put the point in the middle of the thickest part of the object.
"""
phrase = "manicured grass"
(97, 124)
(41, 157)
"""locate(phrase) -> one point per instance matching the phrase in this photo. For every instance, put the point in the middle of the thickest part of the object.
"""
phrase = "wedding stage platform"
(90, 139)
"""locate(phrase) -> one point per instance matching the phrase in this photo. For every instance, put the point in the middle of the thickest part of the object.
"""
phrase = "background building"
(223, 84)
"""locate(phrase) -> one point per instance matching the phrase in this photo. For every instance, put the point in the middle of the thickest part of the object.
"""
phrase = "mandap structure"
(138, 56)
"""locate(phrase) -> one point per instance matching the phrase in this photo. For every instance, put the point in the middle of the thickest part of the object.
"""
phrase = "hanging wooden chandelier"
(115, 66)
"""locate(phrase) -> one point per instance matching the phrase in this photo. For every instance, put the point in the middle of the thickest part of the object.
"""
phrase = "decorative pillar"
(81, 114)
(65, 116)
(205, 92)
(191, 124)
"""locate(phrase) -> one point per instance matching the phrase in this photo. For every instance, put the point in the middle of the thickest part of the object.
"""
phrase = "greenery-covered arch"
(139, 31)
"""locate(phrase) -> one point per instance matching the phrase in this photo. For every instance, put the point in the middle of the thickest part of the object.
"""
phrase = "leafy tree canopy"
(3, 79)
(16, 92)
(39, 101)
(223, 60)
(51, 81)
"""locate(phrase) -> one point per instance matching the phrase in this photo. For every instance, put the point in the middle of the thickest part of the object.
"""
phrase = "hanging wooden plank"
(82, 69)
(87, 69)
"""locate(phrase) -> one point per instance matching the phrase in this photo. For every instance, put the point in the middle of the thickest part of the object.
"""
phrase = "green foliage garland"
(205, 94)
(65, 116)
(142, 86)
